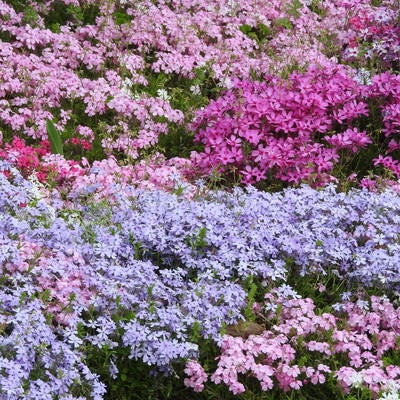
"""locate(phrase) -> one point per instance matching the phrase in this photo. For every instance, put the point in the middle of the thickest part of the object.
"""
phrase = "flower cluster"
(151, 268)
(294, 331)
(106, 177)
(101, 177)
(101, 69)
(295, 130)
(37, 161)
(373, 36)
(68, 262)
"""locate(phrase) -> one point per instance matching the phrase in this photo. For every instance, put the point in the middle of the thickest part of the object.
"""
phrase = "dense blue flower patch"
(153, 271)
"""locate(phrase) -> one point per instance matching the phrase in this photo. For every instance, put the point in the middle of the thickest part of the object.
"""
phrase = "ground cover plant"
(199, 199)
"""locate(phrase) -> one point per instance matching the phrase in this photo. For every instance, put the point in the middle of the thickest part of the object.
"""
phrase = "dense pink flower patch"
(277, 127)
(38, 161)
(364, 332)
(295, 130)
(101, 177)
(76, 72)
(157, 173)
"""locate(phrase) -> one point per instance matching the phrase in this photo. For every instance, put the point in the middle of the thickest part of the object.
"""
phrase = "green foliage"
(121, 18)
(60, 13)
(187, 95)
(98, 214)
(259, 33)
(138, 247)
(198, 241)
(251, 289)
(54, 137)
(294, 7)
(283, 23)
(30, 16)
(330, 43)
(196, 331)
(316, 6)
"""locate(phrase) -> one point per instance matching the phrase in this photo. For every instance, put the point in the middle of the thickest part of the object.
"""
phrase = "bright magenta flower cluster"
(295, 130)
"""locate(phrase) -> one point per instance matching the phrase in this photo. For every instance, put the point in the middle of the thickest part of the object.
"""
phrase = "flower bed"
(137, 261)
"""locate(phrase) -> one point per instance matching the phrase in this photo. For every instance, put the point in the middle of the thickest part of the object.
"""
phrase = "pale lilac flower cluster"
(251, 232)
(35, 361)
(74, 257)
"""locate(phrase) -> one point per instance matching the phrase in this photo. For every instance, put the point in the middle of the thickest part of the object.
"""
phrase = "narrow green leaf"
(54, 137)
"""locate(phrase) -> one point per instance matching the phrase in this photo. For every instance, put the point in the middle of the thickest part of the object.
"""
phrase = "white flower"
(337, 306)
(163, 95)
(363, 76)
(392, 386)
(113, 369)
(382, 278)
(287, 291)
(351, 52)
(379, 47)
(390, 396)
(363, 304)
(226, 83)
(356, 380)
(142, 8)
(270, 307)
(346, 296)
(128, 82)
(382, 16)
(125, 91)
(229, 8)
(126, 87)
(195, 89)
(38, 191)
(36, 187)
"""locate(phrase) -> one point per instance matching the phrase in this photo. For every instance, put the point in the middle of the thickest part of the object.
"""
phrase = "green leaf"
(294, 8)
(284, 23)
(200, 241)
(196, 331)
(264, 31)
(54, 137)
(179, 190)
(45, 296)
(246, 28)
(122, 18)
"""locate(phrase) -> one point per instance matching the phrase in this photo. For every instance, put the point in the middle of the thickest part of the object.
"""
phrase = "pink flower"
(196, 376)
